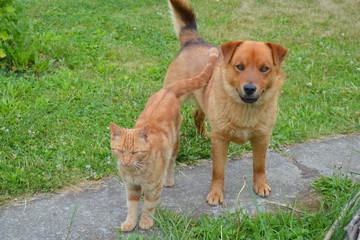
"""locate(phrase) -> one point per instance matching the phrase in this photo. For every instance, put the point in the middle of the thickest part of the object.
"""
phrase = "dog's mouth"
(248, 100)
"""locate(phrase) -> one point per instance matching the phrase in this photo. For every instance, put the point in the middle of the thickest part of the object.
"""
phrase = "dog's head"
(252, 66)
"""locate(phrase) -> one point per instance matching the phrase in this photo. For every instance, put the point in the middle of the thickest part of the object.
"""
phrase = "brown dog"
(240, 100)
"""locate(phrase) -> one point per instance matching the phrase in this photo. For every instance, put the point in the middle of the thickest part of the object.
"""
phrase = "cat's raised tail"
(188, 85)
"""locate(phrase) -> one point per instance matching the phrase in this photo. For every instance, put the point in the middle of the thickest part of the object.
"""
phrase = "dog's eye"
(264, 69)
(240, 67)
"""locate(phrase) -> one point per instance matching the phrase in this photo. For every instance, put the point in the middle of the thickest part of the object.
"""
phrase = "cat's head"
(130, 146)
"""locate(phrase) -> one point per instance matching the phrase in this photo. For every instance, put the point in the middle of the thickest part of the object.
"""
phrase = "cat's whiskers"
(139, 165)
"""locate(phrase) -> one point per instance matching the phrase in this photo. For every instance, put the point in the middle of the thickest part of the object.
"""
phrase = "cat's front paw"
(169, 183)
(127, 226)
(146, 222)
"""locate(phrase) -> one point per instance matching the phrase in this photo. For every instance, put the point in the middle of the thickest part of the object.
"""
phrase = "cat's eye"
(118, 150)
(138, 153)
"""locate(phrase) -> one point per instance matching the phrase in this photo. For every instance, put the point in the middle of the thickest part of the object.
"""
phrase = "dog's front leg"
(219, 148)
(259, 147)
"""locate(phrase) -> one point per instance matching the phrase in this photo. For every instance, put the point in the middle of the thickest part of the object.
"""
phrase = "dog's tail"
(188, 85)
(184, 21)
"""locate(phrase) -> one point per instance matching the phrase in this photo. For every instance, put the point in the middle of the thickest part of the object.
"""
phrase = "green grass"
(103, 59)
(283, 224)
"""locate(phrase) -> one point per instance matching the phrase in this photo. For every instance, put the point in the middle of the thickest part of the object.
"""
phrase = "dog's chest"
(237, 134)
(236, 127)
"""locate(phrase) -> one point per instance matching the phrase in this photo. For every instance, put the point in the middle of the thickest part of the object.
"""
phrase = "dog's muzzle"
(248, 93)
(248, 100)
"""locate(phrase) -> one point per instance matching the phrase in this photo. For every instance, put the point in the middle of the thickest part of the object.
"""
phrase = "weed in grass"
(17, 47)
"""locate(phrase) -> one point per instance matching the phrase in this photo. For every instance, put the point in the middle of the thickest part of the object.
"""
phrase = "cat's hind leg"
(169, 178)
(133, 193)
(152, 197)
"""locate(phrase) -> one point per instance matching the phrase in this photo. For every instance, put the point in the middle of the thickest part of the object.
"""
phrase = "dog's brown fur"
(233, 115)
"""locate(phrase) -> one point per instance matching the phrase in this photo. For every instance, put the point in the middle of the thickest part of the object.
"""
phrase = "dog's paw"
(261, 185)
(127, 226)
(263, 190)
(146, 222)
(202, 131)
(215, 198)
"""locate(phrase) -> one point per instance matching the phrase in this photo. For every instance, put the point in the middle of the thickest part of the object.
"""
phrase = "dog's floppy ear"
(228, 49)
(278, 52)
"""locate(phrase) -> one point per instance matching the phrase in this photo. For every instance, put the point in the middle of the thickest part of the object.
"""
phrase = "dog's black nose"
(249, 89)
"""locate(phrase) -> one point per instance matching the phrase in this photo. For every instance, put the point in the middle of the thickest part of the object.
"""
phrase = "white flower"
(31, 133)
(343, 34)
(351, 62)
(321, 44)
(299, 58)
(88, 166)
(309, 84)
(327, 47)
(356, 69)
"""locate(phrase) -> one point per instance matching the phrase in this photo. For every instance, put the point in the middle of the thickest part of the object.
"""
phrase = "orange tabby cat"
(146, 154)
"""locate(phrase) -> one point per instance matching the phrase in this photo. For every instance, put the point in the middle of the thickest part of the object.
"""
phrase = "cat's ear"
(144, 132)
(116, 131)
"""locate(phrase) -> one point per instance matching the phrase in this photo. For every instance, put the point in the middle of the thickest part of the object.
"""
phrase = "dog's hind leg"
(199, 119)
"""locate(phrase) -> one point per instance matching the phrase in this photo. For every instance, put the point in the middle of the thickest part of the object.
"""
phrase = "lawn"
(101, 60)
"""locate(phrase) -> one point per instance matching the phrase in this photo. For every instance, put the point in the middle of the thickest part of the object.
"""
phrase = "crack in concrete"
(306, 172)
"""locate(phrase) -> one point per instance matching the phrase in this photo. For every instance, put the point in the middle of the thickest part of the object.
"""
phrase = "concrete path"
(96, 210)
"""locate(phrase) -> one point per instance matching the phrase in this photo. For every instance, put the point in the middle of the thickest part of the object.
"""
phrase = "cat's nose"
(126, 162)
